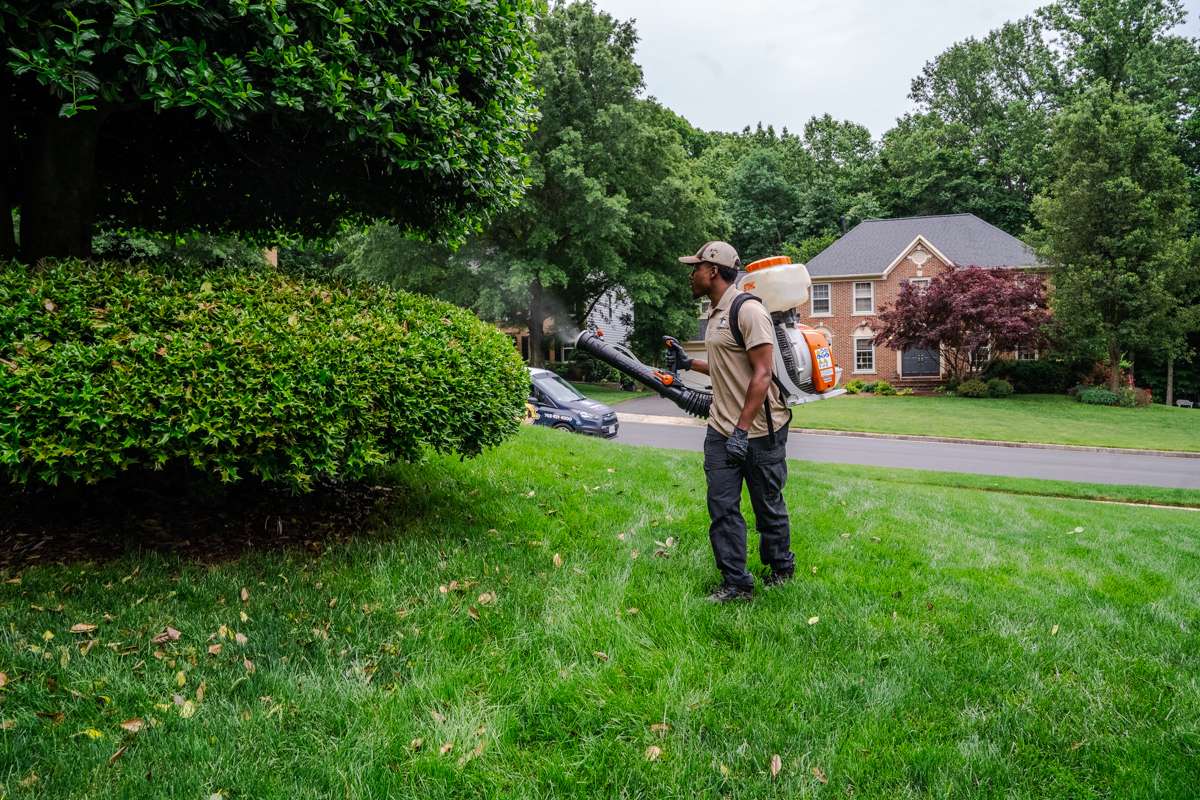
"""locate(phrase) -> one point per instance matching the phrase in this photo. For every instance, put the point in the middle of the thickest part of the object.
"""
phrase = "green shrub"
(884, 388)
(972, 388)
(1130, 397)
(855, 386)
(107, 367)
(998, 387)
(1097, 396)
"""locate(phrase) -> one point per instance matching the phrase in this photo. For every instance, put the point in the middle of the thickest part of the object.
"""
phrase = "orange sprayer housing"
(824, 376)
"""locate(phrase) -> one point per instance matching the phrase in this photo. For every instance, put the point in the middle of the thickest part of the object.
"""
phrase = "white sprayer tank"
(780, 284)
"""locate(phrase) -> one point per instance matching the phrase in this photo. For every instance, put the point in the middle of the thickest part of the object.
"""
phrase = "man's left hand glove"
(736, 447)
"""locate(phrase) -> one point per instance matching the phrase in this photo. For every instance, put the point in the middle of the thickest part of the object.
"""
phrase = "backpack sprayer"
(804, 368)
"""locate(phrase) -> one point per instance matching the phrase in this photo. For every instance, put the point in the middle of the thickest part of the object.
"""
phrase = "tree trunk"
(1170, 381)
(537, 316)
(60, 188)
(1114, 366)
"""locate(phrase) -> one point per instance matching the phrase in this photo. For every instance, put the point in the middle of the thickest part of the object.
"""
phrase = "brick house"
(863, 271)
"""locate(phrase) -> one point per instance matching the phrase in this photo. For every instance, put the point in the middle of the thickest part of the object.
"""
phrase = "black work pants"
(765, 473)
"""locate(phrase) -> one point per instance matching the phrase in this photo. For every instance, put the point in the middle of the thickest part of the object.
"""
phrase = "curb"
(689, 422)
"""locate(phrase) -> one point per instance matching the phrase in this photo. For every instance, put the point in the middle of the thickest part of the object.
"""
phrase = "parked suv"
(558, 404)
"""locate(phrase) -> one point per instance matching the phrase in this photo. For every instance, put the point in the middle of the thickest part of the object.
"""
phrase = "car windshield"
(558, 390)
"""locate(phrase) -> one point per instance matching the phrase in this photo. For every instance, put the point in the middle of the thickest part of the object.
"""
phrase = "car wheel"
(562, 426)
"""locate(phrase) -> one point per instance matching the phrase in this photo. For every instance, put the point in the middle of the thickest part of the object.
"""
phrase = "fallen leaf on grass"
(415, 744)
(214, 649)
(476, 752)
(819, 774)
(631, 612)
(813, 620)
(243, 616)
(600, 655)
(82, 627)
(446, 748)
(1078, 530)
(87, 646)
(91, 733)
(3, 679)
(845, 536)
(660, 728)
(120, 752)
(473, 613)
(633, 553)
(187, 710)
(248, 664)
(169, 634)
(241, 638)
(438, 716)
(8, 724)
(776, 765)
(1054, 631)
(245, 595)
(29, 780)
(653, 752)
(180, 678)
(558, 561)
(487, 598)
(56, 717)
(201, 690)
(133, 725)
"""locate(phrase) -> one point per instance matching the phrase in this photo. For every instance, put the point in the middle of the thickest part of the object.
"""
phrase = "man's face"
(702, 278)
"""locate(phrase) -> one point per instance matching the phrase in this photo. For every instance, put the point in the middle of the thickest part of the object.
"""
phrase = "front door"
(918, 362)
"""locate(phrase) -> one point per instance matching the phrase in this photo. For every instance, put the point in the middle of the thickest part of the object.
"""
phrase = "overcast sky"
(787, 60)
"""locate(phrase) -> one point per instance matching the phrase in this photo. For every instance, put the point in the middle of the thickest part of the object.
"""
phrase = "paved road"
(1085, 467)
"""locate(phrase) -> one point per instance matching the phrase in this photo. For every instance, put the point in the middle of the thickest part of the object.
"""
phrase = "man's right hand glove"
(677, 358)
(736, 447)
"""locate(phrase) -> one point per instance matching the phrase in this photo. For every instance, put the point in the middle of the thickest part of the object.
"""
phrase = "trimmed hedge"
(972, 388)
(1097, 396)
(998, 387)
(108, 367)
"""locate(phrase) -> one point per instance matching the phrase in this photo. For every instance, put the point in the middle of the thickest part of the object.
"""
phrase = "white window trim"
(812, 312)
(874, 370)
(854, 312)
(1036, 355)
(919, 282)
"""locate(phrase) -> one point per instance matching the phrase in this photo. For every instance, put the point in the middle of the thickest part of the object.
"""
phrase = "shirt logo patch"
(724, 323)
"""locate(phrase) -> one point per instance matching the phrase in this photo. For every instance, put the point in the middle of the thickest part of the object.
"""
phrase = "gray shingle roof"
(965, 239)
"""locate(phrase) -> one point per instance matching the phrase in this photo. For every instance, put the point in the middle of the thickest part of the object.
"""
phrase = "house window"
(864, 354)
(820, 299)
(1027, 354)
(919, 285)
(864, 298)
(980, 356)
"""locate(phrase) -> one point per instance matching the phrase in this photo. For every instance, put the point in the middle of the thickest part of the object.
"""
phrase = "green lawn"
(510, 631)
(1021, 418)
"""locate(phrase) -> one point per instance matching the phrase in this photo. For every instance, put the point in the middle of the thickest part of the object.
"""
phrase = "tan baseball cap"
(720, 253)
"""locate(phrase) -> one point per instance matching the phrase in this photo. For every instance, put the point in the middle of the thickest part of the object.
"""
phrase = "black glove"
(736, 447)
(677, 358)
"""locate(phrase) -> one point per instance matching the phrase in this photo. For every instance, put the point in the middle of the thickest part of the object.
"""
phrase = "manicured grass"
(1049, 419)
(963, 643)
(608, 393)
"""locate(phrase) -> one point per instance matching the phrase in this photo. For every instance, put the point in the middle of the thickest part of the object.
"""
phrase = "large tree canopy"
(251, 117)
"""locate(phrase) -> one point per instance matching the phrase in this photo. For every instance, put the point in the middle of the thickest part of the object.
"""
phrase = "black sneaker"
(727, 593)
(778, 578)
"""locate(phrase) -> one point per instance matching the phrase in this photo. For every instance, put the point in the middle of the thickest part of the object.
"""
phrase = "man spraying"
(747, 426)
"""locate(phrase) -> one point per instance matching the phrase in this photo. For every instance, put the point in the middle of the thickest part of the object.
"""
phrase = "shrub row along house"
(864, 271)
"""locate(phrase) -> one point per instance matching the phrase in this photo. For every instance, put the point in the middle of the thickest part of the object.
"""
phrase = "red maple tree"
(966, 309)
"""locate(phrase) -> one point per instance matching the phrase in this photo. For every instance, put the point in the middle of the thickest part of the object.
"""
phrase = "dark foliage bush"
(1042, 376)
(972, 388)
(1132, 397)
(107, 367)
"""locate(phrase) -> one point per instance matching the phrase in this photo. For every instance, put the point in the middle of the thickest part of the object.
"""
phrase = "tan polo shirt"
(729, 366)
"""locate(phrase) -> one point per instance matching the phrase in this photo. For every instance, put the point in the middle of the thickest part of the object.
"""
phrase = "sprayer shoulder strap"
(736, 330)
(734, 307)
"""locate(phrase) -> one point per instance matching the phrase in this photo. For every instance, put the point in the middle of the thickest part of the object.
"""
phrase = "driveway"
(1020, 462)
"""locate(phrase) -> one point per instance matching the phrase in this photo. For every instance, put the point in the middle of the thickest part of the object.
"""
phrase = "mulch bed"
(193, 518)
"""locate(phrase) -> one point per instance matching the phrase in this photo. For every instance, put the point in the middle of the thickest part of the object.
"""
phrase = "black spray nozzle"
(693, 401)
